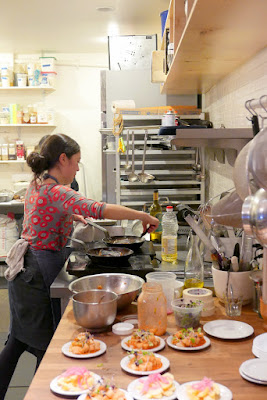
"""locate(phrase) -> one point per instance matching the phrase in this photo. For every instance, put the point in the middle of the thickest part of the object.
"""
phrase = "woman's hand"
(79, 218)
(147, 219)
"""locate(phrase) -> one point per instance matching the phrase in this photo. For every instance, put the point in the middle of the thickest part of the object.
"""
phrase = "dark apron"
(33, 313)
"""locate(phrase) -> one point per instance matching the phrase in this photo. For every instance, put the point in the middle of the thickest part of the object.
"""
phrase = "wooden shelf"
(33, 89)
(220, 138)
(12, 161)
(218, 37)
(28, 125)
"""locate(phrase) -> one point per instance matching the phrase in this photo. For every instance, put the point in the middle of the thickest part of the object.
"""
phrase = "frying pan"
(111, 256)
(131, 242)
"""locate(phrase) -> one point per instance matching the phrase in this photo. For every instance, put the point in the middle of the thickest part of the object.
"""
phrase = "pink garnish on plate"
(74, 371)
(202, 385)
(152, 381)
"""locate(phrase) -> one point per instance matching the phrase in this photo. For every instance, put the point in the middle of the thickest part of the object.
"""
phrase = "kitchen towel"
(15, 259)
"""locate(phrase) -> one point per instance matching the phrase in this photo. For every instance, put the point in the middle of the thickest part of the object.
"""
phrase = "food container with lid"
(187, 313)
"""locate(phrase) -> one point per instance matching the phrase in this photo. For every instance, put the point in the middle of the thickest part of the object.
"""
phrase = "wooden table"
(220, 361)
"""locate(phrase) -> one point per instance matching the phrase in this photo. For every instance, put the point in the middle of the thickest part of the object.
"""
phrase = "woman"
(49, 211)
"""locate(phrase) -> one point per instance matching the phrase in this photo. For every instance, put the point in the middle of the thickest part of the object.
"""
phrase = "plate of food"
(207, 388)
(144, 363)
(154, 386)
(84, 346)
(74, 381)
(143, 340)
(188, 340)
(105, 390)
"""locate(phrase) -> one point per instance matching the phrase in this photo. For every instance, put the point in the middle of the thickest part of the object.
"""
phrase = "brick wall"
(225, 104)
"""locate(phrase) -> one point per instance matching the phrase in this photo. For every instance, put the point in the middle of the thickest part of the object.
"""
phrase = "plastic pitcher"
(168, 283)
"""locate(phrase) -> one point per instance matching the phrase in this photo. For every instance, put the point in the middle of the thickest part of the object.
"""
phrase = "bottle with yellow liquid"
(194, 267)
(169, 236)
(156, 211)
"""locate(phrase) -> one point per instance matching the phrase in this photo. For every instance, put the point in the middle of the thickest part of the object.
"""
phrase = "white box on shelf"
(48, 64)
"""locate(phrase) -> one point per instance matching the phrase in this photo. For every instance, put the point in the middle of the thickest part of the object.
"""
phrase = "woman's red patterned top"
(48, 214)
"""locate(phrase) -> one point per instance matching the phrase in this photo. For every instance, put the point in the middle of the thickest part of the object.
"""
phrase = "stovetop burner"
(140, 263)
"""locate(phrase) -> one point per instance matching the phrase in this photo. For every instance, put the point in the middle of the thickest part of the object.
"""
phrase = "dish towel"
(15, 259)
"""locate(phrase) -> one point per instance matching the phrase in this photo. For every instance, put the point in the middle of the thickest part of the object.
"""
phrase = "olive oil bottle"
(156, 211)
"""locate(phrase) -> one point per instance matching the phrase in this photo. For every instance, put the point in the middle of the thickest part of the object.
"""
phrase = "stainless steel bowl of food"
(95, 309)
(126, 286)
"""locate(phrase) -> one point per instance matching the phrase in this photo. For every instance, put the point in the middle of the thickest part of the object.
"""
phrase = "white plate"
(159, 347)
(256, 368)
(251, 379)
(66, 346)
(58, 389)
(207, 344)
(164, 360)
(127, 395)
(138, 396)
(226, 393)
(228, 329)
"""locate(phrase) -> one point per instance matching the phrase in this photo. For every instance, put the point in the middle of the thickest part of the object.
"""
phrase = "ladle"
(132, 177)
(143, 176)
(127, 164)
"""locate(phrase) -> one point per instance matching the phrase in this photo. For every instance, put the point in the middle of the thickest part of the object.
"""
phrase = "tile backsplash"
(225, 105)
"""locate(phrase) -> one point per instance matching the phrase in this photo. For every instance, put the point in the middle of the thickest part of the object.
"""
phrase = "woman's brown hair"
(51, 149)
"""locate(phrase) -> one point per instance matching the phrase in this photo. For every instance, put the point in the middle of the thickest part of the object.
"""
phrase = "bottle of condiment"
(20, 150)
(12, 151)
(33, 115)
(194, 267)
(169, 236)
(4, 151)
(156, 211)
(26, 115)
(19, 116)
(152, 309)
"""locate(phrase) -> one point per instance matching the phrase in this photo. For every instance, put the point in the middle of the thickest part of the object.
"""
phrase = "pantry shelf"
(28, 88)
(28, 125)
(12, 161)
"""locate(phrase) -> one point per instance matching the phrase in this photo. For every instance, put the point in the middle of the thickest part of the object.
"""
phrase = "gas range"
(140, 263)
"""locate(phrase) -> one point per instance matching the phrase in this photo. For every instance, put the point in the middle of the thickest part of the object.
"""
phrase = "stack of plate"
(254, 370)
(259, 347)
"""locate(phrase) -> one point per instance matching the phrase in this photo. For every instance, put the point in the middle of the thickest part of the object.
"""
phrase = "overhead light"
(105, 9)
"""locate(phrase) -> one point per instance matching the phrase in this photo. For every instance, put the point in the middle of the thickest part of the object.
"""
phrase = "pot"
(111, 256)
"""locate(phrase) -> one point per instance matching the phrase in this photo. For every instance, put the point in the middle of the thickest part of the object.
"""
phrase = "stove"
(140, 263)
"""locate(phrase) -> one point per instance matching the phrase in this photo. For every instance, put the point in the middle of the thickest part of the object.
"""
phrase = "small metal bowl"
(95, 309)
(126, 286)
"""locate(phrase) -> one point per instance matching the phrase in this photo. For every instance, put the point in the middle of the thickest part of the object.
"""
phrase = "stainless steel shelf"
(220, 138)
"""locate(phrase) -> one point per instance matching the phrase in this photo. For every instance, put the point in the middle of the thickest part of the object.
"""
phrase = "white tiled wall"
(225, 104)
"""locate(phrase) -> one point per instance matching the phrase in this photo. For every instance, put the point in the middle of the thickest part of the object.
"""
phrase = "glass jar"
(152, 309)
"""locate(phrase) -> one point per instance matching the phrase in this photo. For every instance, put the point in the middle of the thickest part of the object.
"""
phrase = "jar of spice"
(12, 154)
(152, 309)
(4, 151)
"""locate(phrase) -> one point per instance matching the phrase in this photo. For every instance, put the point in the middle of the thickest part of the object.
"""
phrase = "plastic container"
(168, 119)
(194, 266)
(4, 151)
(22, 80)
(5, 81)
(163, 16)
(167, 280)
(12, 151)
(170, 54)
(152, 309)
(169, 236)
(48, 64)
(186, 313)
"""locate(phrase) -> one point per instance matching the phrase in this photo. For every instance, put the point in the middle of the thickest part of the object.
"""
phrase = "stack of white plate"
(259, 347)
(254, 370)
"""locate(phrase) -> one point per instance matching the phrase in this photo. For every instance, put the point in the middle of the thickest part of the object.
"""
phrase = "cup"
(168, 282)
(233, 307)
(186, 313)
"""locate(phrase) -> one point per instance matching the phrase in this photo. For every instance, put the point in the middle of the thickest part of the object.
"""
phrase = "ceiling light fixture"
(105, 9)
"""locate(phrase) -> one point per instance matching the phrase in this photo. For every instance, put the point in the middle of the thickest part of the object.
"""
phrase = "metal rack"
(175, 176)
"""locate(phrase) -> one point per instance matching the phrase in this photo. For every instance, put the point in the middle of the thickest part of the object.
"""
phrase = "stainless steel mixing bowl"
(95, 309)
(126, 286)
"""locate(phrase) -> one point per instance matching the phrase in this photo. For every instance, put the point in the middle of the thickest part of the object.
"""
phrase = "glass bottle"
(194, 267)
(152, 309)
(156, 211)
(169, 236)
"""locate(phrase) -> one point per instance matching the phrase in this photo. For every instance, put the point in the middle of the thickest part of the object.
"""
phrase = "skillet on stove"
(131, 242)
